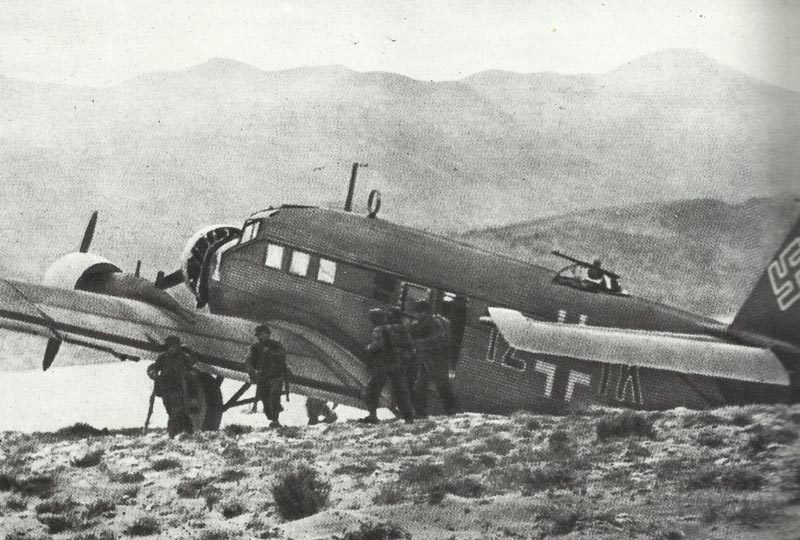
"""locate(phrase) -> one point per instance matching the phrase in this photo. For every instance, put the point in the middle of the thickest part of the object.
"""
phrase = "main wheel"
(206, 410)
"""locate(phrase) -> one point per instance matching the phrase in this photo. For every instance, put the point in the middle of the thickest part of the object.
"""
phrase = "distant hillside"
(701, 254)
(167, 152)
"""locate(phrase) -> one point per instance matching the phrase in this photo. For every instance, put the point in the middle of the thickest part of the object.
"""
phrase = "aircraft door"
(454, 308)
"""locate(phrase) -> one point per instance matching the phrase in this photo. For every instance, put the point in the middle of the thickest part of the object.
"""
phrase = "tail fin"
(772, 311)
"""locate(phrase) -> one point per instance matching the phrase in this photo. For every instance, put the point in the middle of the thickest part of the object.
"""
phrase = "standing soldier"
(392, 353)
(172, 376)
(432, 340)
(266, 364)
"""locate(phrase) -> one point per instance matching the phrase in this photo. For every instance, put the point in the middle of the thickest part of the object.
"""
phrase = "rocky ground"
(728, 473)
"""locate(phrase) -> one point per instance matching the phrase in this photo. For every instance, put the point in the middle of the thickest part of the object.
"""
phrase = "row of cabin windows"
(299, 263)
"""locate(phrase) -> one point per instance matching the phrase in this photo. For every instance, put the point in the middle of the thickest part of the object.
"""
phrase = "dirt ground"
(727, 473)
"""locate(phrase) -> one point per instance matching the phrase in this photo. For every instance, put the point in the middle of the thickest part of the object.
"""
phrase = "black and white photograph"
(378, 270)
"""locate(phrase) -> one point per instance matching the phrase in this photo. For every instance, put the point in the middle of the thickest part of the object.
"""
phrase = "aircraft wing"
(130, 329)
(684, 353)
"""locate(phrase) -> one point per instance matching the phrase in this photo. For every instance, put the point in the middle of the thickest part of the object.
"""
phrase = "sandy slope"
(730, 473)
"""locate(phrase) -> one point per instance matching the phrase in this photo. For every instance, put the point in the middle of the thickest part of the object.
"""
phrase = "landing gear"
(206, 411)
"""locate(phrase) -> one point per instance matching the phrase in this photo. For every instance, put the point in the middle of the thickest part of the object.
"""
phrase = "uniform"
(266, 363)
(172, 373)
(432, 341)
(392, 352)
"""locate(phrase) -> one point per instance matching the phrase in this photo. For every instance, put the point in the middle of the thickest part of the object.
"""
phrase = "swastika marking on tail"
(784, 275)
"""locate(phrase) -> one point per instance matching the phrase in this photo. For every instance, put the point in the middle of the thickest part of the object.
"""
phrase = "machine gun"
(585, 264)
(609, 283)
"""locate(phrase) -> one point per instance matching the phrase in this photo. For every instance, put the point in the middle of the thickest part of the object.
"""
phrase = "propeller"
(88, 234)
(169, 280)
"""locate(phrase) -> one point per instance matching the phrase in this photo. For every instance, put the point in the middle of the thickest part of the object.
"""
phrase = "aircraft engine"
(93, 273)
(198, 255)
(74, 269)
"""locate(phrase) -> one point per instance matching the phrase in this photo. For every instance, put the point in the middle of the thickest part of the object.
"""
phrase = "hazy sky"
(100, 42)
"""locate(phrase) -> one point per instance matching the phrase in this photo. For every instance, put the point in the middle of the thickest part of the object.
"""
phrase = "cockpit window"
(274, 258)
(327, 271)
(250, 231)
(299, 264)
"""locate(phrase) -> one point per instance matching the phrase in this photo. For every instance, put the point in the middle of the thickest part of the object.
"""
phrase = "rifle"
(150, 409)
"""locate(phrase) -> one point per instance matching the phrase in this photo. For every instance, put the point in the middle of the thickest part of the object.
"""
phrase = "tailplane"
(771, 314)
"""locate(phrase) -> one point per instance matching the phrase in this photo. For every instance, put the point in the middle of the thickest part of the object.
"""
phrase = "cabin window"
(299, 264)
(218, 259)
(250, 231)
(274, 258)
(384, 287)
(327, 271)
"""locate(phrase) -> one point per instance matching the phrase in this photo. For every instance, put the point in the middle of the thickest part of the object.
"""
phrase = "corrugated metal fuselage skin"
(485, 380)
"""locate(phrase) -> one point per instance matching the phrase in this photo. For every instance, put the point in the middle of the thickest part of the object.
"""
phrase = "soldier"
(315, 408)
(432, 341)
(172, 376)
(266, 364)
(392, 353)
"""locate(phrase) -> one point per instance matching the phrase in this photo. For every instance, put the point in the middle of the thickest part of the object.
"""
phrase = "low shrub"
(79, 430)
(741, 419)
(100, 507)
(420, 473)
(56, 506)
(16, 503)
(231, 509)
(143, 526)
(234, 430)
(37, 485)
(103, 534)
(465, 486)
(358, 469)
(58, 523)
(89, 459)
(300, 493)
(192, 488)
(165, 464)
(554, 476)
(127, 477)
(389, 494)
(214, 534)
(732, 477)
(627, 424)
(710, 438)
(378, 531)
(231, 475)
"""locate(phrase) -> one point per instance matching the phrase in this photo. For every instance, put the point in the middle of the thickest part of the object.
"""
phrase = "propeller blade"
(170, 280)
(50, 352)
(88, 234)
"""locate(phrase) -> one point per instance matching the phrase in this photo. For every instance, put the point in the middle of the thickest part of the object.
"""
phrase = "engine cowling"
(198, 254)
(93, 273)
(73, 269)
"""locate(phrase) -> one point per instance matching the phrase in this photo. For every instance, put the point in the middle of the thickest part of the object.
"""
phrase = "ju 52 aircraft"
(524, 337)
